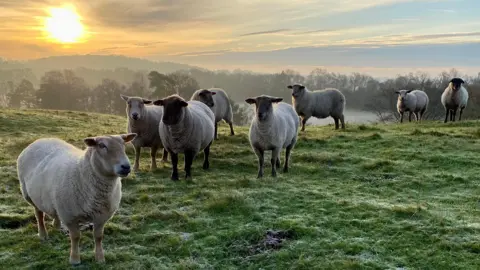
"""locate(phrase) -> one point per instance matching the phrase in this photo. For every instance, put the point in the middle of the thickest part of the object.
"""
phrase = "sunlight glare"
(64, 25)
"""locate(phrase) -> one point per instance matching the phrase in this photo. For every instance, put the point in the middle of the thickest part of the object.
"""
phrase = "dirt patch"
(273, 240)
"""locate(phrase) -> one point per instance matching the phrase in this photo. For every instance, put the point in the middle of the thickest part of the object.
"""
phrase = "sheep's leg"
(174, 158)
(216, 130)
(446, 116)
(416, 116)
(260, 155)
(304, 121)
(74, 232)
(98, 234)
(42, 232)
(342, 121)
(277, 163)
(206, 152)
(232, 133)
(153, 155)
(409, 116)
(454, 114)
(165, 155)
(275, 156)
(57, 224)
(189, 155)
(287, 157)
(137, 157)
(460, 116)
(337, 124)
(401, 117)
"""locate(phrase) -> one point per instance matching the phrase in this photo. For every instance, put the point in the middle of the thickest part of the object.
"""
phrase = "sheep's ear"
(147, 101)
(276, 100)
(409, 91)
(251, 100)
(128, 137)
(302, 87)
(90, 141)
(158, 102)
(397, 92)
(124, 97)
(213, 93)
(290, 87)
(183, 103)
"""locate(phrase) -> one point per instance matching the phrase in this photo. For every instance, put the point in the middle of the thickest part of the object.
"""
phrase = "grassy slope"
(371, 197)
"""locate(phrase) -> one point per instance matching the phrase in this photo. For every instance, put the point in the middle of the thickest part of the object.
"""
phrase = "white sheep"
(453, 98)
(186, 127)
(74, 186)
(218, 101)
(274, 127)
(413, 101)
(319, 103)
(144, 120)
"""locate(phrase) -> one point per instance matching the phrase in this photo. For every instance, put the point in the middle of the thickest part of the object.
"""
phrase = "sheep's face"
(135, 107)
(402, 95)
(456, 83)
(297, 90)
(173, 109)
(108, 154)
(263, 105)
(206, 97)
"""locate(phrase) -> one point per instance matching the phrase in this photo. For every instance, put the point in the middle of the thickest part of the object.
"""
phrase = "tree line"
(67, 90)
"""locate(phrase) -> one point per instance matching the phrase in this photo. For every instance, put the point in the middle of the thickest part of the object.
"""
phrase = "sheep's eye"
(102, 146)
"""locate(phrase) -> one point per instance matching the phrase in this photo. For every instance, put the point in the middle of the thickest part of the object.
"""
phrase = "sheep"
(274, 127)
(143, 120)
(218, 101)
(413, 101)
(74, 186)
(453, 98)
(186, 127)
(319, 103)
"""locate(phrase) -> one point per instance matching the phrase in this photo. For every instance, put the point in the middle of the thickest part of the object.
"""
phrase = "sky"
(380, 37)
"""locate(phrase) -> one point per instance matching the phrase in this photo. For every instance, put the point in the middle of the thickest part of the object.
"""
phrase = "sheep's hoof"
(206, 165)
(75, 262)
(174, 177)
(260, 175)
(285, 170)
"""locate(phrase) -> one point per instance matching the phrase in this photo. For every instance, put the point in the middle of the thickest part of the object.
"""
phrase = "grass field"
(371, 197)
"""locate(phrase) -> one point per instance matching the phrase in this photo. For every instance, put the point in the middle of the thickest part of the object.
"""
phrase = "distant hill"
(99, 62)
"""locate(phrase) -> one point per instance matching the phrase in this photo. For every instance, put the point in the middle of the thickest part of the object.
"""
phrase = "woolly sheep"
(319, 103)
(186, 127)
(144, 120)
(453, 98)
(274, 127)
(74, 186)
(218, 101)
(413, 101)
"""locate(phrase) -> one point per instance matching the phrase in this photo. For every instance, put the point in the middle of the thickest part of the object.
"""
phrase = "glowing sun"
(64, 25)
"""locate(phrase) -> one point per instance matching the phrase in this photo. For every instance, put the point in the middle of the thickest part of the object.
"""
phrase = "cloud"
(203, 53)
(265, 32)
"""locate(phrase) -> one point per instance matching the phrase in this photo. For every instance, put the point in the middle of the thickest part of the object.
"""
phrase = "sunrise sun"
(64, 25)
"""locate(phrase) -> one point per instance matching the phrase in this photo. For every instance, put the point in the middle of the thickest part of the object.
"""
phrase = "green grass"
(371, 197)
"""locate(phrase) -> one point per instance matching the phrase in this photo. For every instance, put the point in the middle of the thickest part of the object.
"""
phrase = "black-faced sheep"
(453, 98)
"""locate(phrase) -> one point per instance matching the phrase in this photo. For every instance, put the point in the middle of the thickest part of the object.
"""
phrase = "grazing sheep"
(454, 97)
(274, 127)
(319, 103)
(186, 127)
(413, 101)
(218, 101)
(144, 120)
(75, 186)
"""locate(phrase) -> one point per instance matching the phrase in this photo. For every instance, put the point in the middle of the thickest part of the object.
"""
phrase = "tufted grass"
(371, 197)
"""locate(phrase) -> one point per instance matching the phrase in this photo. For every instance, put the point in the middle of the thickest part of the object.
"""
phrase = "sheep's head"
(206, 97)
(108, 155)
(402, 94)
(173, 109)
(135, 106)
(263, 105)
(297, 90)
(456, 83)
